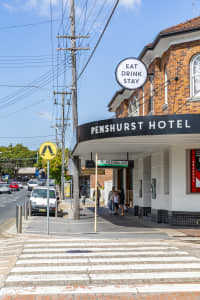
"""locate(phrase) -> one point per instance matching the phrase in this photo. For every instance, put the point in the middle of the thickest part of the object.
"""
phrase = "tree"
(55, 165)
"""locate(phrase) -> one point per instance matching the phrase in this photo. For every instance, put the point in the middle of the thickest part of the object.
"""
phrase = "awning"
(114, 138)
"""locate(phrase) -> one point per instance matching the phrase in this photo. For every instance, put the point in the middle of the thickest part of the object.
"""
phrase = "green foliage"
(55, 165)
(12, 158)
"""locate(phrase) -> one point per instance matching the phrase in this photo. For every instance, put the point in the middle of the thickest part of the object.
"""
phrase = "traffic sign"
(48, 150)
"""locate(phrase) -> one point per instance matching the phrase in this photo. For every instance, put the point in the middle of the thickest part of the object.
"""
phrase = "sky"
(31, 67)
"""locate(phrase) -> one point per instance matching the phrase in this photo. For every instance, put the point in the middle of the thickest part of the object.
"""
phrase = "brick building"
(157, 126)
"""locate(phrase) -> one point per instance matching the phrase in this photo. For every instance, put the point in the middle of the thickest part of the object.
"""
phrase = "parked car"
(20, 185)
(32, 183)
(14, 186)
(39, 200)
(4, 188)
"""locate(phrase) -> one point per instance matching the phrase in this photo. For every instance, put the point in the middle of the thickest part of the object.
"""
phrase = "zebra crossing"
(49, 265)
(9, 251)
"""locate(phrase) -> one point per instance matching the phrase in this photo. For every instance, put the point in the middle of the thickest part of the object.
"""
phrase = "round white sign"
(131, 73)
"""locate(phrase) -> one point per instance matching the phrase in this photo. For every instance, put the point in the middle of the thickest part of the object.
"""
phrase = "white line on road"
(95, 249)
(106, 267)
(106, 260)
(47, 277)
(106, 289)
(102, 277)
(85, 243)
(135, 253)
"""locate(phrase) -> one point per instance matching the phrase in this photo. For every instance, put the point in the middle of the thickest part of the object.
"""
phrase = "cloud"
(9, 7)
(130, 3)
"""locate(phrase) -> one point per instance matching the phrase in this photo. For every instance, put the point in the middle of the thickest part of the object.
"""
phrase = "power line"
(99, 40)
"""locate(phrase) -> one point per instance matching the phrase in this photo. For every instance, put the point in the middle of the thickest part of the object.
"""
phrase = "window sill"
(150, 113)
(193, 99)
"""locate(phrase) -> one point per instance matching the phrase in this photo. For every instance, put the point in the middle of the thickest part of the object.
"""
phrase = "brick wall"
(101, 178)
(176, 60)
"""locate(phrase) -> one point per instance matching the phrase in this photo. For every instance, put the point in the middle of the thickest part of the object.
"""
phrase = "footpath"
(127, 258)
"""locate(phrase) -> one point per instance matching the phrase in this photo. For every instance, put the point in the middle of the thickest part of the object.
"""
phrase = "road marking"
(40, 250)
(142, 276)
(84, 240)
(48, 277)
(102, 277)
(107, 260)
(121, 243)
(106, 267)
(128, 253)
(108, 289)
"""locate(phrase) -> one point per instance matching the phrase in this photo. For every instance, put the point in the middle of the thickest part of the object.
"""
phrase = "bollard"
(29, 209)
(19, 218)
(25, 210)
(56, 210)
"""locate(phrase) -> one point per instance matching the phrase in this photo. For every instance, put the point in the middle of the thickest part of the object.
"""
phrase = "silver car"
(4, 188)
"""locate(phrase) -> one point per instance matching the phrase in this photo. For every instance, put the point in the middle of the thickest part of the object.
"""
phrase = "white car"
(32, 183)
(4, 188)
(39, 200)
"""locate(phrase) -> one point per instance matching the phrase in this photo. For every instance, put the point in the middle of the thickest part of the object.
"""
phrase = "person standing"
(110, 200)
(121, 201)
(116, 202)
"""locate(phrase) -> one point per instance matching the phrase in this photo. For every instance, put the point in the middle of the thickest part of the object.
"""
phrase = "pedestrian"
(110, 200)
(116, 202)
(83, 194)
(98, 197)
(121, 201)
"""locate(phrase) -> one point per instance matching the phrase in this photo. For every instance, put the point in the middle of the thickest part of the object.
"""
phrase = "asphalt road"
(8, 204)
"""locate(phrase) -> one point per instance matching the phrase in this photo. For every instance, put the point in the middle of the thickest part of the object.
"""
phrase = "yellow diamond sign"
(48, 150)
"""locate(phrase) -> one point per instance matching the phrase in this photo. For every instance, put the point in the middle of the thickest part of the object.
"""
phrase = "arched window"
(195, 76)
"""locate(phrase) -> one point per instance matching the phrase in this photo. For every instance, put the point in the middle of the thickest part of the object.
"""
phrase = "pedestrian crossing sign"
(48, 150)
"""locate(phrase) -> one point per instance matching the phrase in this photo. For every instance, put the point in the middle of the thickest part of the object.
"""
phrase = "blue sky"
(28, 45)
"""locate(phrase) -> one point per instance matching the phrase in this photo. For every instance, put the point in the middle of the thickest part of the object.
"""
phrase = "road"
(8, 204)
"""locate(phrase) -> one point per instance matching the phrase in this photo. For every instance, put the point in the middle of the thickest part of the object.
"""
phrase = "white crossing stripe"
(84, 243)
(107, 267)
(142, 276)
(102, 277)
(103, 241)
(48, 277)
(128, 253)
(100, 289)
(106, 260)
(95, 249)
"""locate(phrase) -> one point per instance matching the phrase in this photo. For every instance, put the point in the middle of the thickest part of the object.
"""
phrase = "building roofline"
(165, 35)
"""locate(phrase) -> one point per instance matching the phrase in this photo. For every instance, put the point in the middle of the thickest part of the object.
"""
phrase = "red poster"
(195, 170)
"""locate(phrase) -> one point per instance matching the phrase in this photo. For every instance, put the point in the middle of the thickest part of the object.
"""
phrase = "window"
(133, 108)
(151, 98)
(166, 87)
(195, 77)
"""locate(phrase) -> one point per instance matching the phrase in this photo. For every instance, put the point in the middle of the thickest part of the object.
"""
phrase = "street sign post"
(48, 151)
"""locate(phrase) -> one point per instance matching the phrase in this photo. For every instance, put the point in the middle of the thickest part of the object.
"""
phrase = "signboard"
(48, 150)
(110, 164)
(131, 73)
(195, 169)
(139, 126)
(87, 172)
(115, 163)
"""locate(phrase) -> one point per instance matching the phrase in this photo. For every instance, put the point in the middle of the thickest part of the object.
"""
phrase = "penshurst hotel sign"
(140, 126)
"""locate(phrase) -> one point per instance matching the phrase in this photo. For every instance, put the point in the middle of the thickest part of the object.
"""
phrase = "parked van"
(39, 200)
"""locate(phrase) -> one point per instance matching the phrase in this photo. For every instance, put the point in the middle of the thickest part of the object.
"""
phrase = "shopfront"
(163, 182)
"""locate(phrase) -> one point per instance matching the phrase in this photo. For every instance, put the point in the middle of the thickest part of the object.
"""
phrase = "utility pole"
(75, 160)
(63, 126)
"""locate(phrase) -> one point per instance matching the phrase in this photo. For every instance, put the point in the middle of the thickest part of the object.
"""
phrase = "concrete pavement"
(128, 258)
